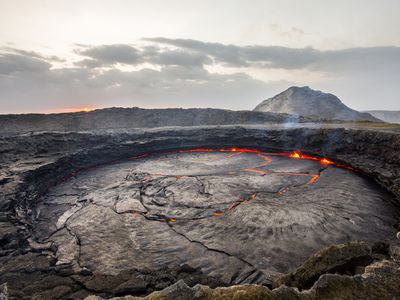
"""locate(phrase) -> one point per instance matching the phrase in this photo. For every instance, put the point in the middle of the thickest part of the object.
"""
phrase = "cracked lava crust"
(238, 215)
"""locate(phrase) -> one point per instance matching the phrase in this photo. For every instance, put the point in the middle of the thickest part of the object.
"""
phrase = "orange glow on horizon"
(70, 110)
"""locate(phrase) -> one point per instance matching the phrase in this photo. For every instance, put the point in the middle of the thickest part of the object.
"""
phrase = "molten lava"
(298, 155)
(313, 179)
(326, 161)
(218, 213)
(295, 154)
(266, 160)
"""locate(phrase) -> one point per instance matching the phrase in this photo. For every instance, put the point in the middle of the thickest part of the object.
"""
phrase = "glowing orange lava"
(326, 161)
(295, 154)
(197, 150)
(298, 155)
(313, 179)
(233, 149)
(218, 213)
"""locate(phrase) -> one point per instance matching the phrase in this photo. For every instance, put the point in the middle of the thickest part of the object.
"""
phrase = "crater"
(238, 215)
(133, 212)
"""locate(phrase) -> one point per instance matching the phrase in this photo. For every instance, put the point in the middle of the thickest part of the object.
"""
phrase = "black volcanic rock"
(304, 101)
(342, 259)
(379, 280)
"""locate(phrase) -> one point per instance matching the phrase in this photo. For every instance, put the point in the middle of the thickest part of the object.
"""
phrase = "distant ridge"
(307, 102)
(125, 118)
(390, 116)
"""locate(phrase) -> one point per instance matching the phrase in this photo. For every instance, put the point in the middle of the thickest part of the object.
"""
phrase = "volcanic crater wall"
(31, 164)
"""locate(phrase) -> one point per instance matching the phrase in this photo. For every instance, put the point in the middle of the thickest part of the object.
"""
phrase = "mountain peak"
(305, 101)
(306, 87)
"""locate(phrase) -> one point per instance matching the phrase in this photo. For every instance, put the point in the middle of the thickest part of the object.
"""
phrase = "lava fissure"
(64, 195)
(255, 169)
(48, 238)
(78, 243)
(215, 250)
(168, 221)
(231, 205)
(214, 213)
(203, 187)
(64, 225)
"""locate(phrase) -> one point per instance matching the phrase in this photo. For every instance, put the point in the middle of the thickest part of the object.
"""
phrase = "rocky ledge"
(33, 268)
(338, 279)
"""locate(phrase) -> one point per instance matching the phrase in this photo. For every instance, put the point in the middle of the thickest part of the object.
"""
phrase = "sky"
(66, 55)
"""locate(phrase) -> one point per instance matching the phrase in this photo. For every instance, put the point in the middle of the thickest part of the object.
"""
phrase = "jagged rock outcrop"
(304, 101)
(380, 280)
(343, 259)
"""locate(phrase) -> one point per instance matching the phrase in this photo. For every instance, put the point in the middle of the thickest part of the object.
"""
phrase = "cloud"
(112, 54)
(275, 57)
(34, 54)
(228, 54)
(108, 55)
(181, 57)
(358, 60)
(36, 85)
(189, 52)
(14, 63)
(245, 56)
(175, 73)
(88, 63)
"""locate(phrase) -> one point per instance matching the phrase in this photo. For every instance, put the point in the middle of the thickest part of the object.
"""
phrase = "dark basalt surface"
(85, 213)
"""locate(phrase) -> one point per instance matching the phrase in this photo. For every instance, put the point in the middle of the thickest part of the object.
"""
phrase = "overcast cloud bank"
(162, 72)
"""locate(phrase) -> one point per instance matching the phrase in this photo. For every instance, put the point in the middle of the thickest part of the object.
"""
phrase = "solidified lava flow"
(238, 215)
